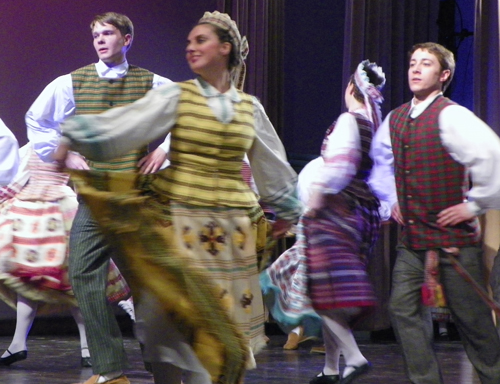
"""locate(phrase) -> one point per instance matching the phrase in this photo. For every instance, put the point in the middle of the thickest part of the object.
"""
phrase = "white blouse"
(9, 155)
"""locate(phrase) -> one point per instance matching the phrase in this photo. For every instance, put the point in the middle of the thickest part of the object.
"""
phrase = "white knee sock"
(26, 312)
(77, 315)
(337, 323)
(332, 356)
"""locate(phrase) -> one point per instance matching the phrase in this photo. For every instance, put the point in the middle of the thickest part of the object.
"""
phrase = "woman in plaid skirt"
(336, 235)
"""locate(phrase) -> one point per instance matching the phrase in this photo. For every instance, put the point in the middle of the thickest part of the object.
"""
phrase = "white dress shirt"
(9, 155)
(470, 142)
(56, 103)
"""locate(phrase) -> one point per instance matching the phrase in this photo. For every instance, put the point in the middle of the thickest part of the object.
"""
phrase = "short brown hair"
(445, 58)
(119, 21)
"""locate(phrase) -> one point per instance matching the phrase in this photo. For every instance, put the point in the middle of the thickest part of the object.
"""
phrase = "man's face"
(425, 76)
(110, 44)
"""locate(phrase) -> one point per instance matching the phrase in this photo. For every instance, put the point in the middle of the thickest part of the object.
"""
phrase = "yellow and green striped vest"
(94, 95)
(206, 154)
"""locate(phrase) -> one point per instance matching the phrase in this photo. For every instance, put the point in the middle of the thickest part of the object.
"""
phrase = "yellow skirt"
(199, 262)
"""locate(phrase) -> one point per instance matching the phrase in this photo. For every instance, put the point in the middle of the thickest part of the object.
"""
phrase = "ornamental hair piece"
(223, 21)
(373, 96)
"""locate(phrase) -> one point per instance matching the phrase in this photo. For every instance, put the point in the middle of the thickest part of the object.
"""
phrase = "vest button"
(407, 172)
(411, 222)
(111, 81)
(110, 103)
(409, 196)
(406, 146)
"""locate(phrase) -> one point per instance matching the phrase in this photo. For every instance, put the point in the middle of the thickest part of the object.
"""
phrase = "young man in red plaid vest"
(433, 149)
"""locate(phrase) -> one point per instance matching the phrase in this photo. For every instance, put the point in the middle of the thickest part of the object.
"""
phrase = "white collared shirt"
(56, 103)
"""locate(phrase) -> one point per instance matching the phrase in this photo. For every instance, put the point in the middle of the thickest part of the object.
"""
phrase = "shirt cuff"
(474, 208)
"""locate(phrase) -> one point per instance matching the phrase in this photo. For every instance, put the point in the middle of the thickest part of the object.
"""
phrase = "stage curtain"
(261, 21)
(384, 31)
(487, 98)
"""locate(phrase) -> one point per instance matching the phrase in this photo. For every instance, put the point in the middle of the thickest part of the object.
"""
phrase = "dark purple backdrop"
(41, 40)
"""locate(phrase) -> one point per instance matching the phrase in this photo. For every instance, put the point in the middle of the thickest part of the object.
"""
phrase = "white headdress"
(240, 44)
(373, 96)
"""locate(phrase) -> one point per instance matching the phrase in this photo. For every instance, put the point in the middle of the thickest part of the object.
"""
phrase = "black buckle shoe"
(356, 372)
(13, 357)
(325, 379)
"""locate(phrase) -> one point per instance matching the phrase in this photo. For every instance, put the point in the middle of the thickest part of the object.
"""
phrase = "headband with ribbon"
(373, 96)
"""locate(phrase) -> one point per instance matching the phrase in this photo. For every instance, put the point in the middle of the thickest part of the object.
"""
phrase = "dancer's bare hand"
(396, 214)
(152, 161)
(75, 161)
(454, 215)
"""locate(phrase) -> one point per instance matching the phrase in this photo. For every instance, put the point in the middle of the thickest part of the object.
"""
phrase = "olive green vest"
(94, 95)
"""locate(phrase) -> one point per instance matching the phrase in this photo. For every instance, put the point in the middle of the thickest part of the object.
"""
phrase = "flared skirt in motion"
(199, 263)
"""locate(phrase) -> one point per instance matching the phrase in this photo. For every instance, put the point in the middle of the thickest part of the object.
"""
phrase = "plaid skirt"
(339, 240)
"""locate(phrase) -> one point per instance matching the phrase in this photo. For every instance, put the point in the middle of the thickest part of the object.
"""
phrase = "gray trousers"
(88, 272)
(413, 325)
(495, 281)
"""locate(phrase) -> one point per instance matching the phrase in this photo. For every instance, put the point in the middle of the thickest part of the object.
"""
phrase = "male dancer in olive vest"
(438, 147)
(92, 89)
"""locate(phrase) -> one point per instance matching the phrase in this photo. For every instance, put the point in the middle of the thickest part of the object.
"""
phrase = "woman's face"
(204, 51)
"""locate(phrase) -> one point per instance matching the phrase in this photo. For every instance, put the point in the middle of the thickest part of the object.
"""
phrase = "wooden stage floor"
(56, 360)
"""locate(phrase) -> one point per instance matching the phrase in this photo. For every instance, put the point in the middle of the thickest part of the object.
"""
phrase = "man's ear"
(445, 75)
(127, 39)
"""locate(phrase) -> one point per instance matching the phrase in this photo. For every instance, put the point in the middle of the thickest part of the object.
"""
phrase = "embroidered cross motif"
(213, 238)
(246, 299)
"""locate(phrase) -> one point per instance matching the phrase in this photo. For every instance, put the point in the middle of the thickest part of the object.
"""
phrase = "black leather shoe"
(13, 357)
(325, 379)
(357, 372)
(86, 362)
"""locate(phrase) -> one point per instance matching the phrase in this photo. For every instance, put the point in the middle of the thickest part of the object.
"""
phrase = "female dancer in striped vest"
(191, 233)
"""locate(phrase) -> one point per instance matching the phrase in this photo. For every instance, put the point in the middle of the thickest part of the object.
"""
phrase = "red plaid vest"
(428, 180)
